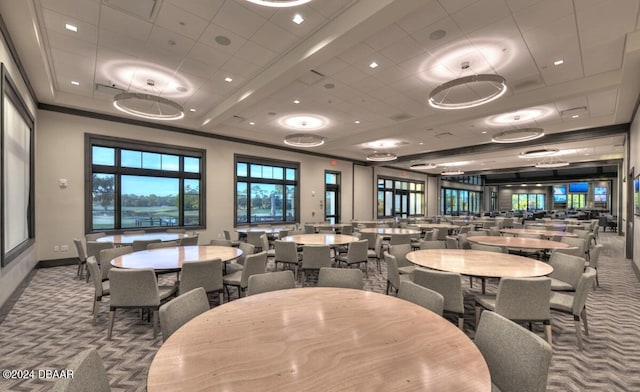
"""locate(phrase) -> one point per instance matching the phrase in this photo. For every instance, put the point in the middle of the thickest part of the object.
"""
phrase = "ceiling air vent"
(443, 135)
(401, 117)
(145, 9)
(311, 77)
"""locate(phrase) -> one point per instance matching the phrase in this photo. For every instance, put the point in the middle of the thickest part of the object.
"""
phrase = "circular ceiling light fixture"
(454, 94)
(550, 163)
(382, 157)
(545, 152)
(456, 172)
(518, 135)
(423, 166)
(148, 106)
(279, 3)
(304, 140)
(304, 122)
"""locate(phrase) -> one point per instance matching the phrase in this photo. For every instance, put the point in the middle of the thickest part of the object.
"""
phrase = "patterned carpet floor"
(51, 322)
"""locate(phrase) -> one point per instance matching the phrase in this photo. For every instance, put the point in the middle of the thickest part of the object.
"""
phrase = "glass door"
(332, 197)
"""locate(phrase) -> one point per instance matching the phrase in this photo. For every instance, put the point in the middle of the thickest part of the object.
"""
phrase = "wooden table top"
(479, 263)
(376, 222)
(127, 239)
(437, 226)
(544, 233)
(266, 230)
(318, 338)
(517, 242)
(330, 225)
(321, 239)
(388, 231)
(172, 258)
(559, 226)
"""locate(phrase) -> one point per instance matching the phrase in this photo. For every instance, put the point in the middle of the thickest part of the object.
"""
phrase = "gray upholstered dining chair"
(206, 274)
(221, 242)
(94, 236)
(520, 300)
(432, 245)
(451, 242)
(165, 244)
(253, 238)
(314, 257)
(136, 288)
(518, 359)
(357, 254)
(253, 264)
(139, 245)
(567, 270)
(247, 249)
(189, 241)
(347, 278)
(400, 252)
(101, 288)
(594, 259)
(270, 281)
(177, 312)
(286, 252)
(227, 236)
(176, 231)
(574, 303)
(106, 255)
(376, 251)
(89, 374)
(448, 285)
(82, 256)
(94, 248)
(394, 278)
(266, 247)
(422, 296)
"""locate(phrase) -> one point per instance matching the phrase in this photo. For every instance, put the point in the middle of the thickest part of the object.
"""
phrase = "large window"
(17, 173)
(527, 201)
(332, 196)
(141, 185)
(459, 201)
(400, 198)
(266, 191)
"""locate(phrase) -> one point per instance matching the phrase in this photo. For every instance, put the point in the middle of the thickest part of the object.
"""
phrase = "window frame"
(455, 196)
(119, 144)
(395, 191)
(249, 160)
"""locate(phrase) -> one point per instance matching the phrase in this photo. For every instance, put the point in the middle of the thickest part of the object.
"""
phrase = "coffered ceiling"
(240, 70)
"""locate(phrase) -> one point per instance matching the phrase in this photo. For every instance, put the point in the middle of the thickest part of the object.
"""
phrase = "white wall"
(634, 162)
(60, 212)
(363, 193)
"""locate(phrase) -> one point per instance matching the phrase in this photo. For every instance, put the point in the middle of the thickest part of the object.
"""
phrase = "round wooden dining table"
(544, 233)
(320, 239)
(318, 339)
(127, 239)
(172, 258)
(266, 230)
(517, 242)
(388, 230)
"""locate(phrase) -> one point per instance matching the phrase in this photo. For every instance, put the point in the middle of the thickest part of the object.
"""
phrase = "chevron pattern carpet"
(51, 322)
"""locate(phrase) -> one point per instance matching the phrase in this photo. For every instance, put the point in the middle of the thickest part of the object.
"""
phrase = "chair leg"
(547, 332)
(470, 282)
(220, 298)
(112, 317)
(576, 323)
(388, 286)
(96, 309)
(461, 323)
(583, 315)
(155, 323)
(478, 313)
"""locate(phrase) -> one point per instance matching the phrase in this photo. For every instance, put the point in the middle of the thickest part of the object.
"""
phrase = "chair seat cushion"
(562, 301)
(166, 291)
(486, 301)
(408, 270)
(408, 278)
(233, 278)
(558, 285)
(233, 267)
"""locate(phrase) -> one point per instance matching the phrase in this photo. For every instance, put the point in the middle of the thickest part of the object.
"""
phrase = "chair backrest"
(393, 275)
(94, 272)
(371, 237)
(465, 229)
(139, 245)
(177, 312)
(89, 374)
(446, 283)
(518, 359)
(253, 264)
(247, 249)
(572, 250)
(270, 281)
(422, 296)
(166, 244)
(577, 242)
(106, 255)
(462, 241)
(525, 299)
(82, 255)
(566, 268)
(315, 256)
(530, 235)
(253, 238)
(189, 241)
(472, 233)
(309, 229)
(428, 235)
(94, 248)
(94, 236)
(490, 248)
(133, 287)
(400, 253)
(220, 242)
(583, 288)
(451, 242)
(264, 240)
(227, 235)
(286, 251)
(358, 251)
(176, 231)
(440, 235)
(433, 244)
(377, 247)
(206, 274)
(595, 255)
(283, 233)
(347, 230)
(348, 278)
(400, 239)
(135, 232)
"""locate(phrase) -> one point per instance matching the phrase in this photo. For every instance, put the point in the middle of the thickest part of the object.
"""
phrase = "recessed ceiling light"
(538, 184)
(452, 173)
(484, 132)
(421, 143)
(279, 3)
(558, 62)
(523, 184)
(381, 157)
(304, 122)
(544, 152)
(192, 110)
(357, 121)
(75, 83)
(297, 19)
(71, 27)
(575, 116)
(373, 65)
(228, 79)
(296, 101)
(424, 166)
(252, 123)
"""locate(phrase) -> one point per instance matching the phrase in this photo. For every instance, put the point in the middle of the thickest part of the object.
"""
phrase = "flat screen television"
(559, 194)
(600, 194)
(579, 187)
